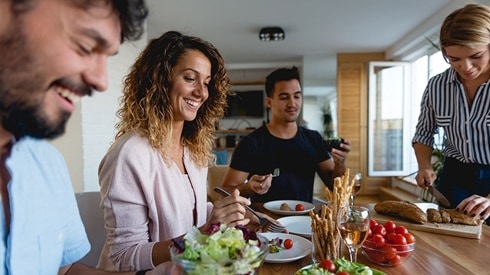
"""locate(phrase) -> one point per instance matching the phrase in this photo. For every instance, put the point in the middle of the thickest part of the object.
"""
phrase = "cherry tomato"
(390, 226)
(328, 265)
(372, 224)
(399, 239)
(378, 240)
(376, 257)
(288, 243)
(410, 238)
(401, 229)
(299, 207)
(403, 250)
(388, 252)
(369, 244)
(342, 273)
(379, 229)
(390, 237)
(395, 260)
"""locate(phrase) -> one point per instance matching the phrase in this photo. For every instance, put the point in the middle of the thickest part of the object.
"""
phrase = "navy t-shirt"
(297, 158)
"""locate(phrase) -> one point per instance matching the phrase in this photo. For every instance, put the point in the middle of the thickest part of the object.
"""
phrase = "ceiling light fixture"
(272, 34)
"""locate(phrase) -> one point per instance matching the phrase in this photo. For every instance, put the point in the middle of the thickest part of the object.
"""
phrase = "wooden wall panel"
(352, 89)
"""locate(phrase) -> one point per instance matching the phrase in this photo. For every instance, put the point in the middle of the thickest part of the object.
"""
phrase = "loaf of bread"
(402, 209)
(451, 216)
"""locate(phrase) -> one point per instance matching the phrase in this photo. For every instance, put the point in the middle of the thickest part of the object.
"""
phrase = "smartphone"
(334, 143)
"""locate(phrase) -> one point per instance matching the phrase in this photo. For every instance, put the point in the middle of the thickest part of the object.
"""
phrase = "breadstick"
(327, 237)
(318, 238)
(327, 193)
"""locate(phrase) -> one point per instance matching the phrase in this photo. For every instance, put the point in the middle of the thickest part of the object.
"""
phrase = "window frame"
(434, 66)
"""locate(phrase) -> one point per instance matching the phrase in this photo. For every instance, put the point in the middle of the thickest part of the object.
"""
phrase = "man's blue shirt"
(46, 231)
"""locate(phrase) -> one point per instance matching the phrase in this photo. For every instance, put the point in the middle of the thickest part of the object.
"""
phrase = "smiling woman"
(156, 168)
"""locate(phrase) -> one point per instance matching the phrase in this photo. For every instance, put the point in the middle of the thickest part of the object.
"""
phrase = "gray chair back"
(93, 220)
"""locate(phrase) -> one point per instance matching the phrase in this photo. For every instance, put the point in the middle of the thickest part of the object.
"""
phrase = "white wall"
(90, 130)
(70, 145)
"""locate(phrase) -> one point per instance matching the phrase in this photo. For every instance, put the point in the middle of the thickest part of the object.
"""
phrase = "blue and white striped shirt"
(444, 104)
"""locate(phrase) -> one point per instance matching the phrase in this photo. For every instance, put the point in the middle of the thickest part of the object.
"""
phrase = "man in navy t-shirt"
(297, 151)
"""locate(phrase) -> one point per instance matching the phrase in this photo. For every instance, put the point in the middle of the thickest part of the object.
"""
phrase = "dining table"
(433, 254)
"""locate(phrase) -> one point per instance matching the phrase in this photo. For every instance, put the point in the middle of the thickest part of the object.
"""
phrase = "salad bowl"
(226, 251)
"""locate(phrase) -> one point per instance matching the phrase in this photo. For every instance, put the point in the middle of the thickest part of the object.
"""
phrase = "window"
(388, 143)
(395, 92)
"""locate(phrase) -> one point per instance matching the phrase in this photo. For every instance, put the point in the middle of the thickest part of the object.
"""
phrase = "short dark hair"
(132, 15)
(282, 74)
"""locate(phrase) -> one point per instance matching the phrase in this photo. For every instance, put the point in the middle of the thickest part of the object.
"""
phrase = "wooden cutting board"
(460, 230)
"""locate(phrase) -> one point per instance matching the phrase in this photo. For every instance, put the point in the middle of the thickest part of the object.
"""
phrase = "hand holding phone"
(334, 143)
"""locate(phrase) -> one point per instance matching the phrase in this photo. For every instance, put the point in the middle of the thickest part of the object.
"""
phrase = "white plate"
(299, 225)
(301, 248)
(275, 207)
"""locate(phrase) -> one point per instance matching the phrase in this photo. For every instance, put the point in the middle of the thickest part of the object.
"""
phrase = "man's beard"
(23, 119)
(21, 82)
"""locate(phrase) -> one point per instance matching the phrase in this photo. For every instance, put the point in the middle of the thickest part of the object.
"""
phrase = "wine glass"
(357, 187)
(353, 224)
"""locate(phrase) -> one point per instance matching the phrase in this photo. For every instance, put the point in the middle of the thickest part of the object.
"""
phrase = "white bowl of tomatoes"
(388, 244)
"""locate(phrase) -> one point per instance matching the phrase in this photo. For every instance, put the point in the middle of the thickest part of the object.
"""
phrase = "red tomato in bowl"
(379, 229)
(299, 207)
(390, 226)
(401, 230)
(395, 260)
(372, 224)
(388, 252)
(399, 239)
(410, 238)
(378, 240)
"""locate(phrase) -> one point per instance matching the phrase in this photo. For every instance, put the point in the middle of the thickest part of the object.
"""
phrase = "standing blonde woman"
(458, 100)
(153, 178)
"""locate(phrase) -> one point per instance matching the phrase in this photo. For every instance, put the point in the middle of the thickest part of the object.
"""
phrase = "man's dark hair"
(132, 14)
(282, 74)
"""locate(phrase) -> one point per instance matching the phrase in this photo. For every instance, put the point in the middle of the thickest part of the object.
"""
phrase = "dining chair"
(93, 219)
(215, 178)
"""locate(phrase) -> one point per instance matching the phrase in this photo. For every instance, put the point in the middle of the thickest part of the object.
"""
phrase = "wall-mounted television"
(246, 104)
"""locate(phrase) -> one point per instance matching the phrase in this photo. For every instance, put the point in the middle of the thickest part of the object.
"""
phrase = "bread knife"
(438, 195)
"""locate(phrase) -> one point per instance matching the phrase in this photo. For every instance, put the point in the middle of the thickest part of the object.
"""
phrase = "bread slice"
(452, 216)
(433, 215)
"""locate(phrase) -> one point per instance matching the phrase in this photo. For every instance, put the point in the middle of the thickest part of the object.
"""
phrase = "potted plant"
(328, 130)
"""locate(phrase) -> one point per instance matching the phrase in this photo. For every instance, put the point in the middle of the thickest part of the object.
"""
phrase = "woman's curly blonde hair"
(145, 105)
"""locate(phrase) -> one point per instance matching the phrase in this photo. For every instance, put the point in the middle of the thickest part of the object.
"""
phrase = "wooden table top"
(433, 254)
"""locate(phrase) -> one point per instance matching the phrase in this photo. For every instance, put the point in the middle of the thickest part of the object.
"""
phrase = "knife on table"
(437, 194)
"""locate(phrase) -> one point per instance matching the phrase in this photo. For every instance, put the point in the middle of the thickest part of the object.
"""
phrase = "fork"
(265, 224)
(276, 172)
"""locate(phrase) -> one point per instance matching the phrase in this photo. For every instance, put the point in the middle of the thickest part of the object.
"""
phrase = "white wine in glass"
(353, 224)
(356, 188)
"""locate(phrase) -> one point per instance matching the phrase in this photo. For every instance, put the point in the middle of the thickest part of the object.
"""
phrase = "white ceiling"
(316, 30)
